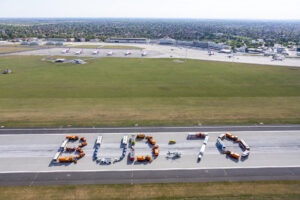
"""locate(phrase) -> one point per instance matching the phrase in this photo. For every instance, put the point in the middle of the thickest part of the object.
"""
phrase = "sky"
(203, 9)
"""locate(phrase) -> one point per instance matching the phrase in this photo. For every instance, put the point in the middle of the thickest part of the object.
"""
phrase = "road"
(26, 155)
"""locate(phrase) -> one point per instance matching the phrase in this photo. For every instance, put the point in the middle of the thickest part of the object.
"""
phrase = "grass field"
(125, 92)
(277, 190)
(10, 49)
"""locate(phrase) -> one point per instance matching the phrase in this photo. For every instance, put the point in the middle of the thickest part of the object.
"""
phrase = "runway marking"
(161, 169)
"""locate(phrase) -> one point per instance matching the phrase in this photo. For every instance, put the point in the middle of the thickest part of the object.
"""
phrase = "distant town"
(254, 37)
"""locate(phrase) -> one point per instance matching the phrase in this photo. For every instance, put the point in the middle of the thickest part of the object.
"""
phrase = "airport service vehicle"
(99, 139)
(205, 140)
(140, 136)
(127, 53)
(97, 146)
(244, 145)
(220, 144)
(201, 153)
(131, 154)
(155, 150)
(125, 139)
(79, 52)
(143, 158)
(222, 136)
(70, 149)
(80, 156)
(65, 51)
(96, 52)
(82, 144)
(151, 140)
(172, 142)
(231, 137)
(67, 159)
(245, 154)
(174, 154)
(232, 155)
(197, 135)
(144, 53)
(106, 161)
(132, 140)
(72, 137)
(110, 53)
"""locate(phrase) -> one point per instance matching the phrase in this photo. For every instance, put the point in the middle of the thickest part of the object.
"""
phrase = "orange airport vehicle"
(80, 156)
(231, 137)
(83, 139)
(67, 159)
(140, 136)
(234, 155)
(70, 149)
(79, 150)
(155, 150)
(72, 137)
(143, 158)
(151, 140)
(82, 144)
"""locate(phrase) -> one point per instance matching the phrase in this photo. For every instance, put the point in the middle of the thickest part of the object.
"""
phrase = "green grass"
(262, 190)
(125, 92)
(10, 49)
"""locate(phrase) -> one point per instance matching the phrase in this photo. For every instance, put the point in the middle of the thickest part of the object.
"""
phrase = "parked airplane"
(96, 52)
(66, 51)
(144, 53)
(79, 52)
(127, 53)
(110, 53)
(210, 52)
(278, 57)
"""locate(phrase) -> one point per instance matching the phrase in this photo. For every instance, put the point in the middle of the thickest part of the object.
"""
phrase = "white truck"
(201, 153)
(125, 140)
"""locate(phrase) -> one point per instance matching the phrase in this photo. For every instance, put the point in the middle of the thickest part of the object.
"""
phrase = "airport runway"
(26, 155)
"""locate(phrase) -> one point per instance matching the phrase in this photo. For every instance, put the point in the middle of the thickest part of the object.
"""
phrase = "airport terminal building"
(129, 40)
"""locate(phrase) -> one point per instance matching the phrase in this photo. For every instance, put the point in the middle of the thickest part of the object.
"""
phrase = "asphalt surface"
(135, 177)
(26, 155)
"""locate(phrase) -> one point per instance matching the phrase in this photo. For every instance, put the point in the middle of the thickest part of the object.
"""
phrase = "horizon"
(149, 18)
(167, 9)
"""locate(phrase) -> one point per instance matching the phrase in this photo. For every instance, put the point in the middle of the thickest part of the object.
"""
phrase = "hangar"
(129, 40)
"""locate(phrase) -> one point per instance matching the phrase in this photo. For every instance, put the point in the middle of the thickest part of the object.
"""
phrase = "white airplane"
(127, 53)
(144, 53)
(278, 57)
(66, 50)
(96, 52)
(79, 52)
(110, 53)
